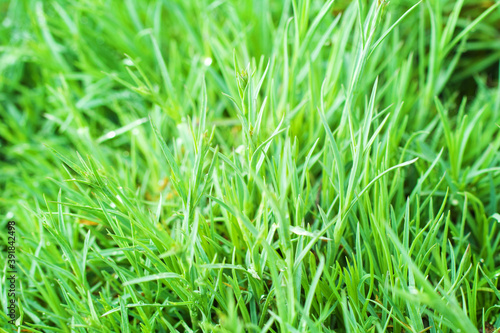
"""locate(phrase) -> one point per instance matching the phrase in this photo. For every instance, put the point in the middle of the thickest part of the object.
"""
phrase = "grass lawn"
(250, 166)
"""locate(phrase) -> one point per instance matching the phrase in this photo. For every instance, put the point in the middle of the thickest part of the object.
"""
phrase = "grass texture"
(251, 166)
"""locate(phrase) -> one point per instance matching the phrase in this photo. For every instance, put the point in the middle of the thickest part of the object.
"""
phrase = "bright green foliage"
(252, 166)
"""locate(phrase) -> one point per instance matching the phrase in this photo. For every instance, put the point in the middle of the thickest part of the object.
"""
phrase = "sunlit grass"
(252, 166)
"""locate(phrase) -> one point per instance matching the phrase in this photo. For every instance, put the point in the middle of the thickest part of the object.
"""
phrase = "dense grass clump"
(251, 166)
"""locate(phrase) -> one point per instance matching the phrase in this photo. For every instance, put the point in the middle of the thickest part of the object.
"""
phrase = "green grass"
(251, 166)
